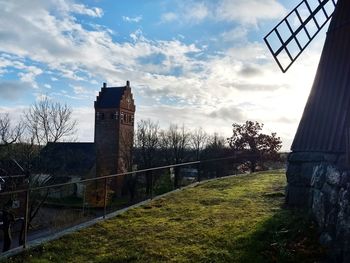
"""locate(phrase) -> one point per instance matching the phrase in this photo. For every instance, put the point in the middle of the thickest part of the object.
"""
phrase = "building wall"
(126, 131)
(106, 141)
(320, 183)
(114, 131)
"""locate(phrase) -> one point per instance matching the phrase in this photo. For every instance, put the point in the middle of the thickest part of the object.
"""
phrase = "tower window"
(100, 115)
(132, 118)
(122, 116)
(114, 116)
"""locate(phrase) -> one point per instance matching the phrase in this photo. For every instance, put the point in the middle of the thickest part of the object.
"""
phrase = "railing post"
(105, 199)
(199, 171)
(172, 172)
(151, 184)
(347, 146)
(26, 217)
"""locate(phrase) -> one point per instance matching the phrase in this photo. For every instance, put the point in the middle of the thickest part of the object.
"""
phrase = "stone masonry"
(320, 183)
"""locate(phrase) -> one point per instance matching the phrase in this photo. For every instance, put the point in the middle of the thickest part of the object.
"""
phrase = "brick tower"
(114, 130)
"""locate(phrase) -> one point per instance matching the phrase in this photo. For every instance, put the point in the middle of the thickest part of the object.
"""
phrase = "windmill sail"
(295, 32)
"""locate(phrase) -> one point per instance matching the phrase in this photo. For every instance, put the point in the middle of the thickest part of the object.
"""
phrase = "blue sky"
(201, 63)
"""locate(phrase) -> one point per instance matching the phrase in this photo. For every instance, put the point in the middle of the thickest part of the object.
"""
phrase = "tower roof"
(110, 97)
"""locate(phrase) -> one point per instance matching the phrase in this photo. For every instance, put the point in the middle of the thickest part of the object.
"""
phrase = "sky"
(197, 63)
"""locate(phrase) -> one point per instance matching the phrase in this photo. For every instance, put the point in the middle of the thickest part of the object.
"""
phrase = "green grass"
(238, 219)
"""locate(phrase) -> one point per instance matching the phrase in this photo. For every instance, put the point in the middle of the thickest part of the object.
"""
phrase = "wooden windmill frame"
(319, 16)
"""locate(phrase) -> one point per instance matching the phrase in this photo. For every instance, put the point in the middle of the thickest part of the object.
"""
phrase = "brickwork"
(114, 129)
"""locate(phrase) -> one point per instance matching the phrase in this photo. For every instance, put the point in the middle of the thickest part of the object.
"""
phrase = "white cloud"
(207, 92)
(239, 33)
(69, 6)
(191, 116)
(79, 90)
(231, 113)
(13, 90)
(83, 92)
(62, 44)
(29, 76)
(249, 11)
(15, 113)
(169, 17)
(137, 35)
(196, 12)
(188, 12)
(81, 9)
(85, 118)
(135, 19)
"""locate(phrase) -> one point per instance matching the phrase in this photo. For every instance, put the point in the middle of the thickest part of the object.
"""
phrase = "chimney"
(104, 85)
(128, 83)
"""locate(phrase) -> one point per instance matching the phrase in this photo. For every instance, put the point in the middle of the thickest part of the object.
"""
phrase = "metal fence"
(48, 209)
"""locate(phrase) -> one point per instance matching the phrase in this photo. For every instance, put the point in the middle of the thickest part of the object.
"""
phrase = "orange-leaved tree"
(255, 147)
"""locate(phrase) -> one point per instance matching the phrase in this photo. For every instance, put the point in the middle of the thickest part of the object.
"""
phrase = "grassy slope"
(238, 219)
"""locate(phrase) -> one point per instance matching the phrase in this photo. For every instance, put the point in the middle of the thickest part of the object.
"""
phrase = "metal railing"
(58, 200)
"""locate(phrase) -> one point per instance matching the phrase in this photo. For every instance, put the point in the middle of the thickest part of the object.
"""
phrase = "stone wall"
(320, 183)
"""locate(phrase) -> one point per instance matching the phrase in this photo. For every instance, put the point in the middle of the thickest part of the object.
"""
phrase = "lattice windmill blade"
(295, 32)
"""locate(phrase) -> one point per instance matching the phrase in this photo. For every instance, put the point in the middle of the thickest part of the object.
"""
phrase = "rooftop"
(110, 97)
(68, 158)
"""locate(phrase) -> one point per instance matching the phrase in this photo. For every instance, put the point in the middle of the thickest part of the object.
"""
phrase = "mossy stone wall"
(320, 182)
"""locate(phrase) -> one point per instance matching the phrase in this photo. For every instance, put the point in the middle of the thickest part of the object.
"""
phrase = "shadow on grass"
(288, 236)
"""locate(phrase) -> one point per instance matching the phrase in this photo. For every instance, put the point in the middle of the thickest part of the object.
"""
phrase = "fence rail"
(143, 184)
(121, 174)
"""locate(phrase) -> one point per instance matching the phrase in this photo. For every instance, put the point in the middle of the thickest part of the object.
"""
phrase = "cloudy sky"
(201, 63)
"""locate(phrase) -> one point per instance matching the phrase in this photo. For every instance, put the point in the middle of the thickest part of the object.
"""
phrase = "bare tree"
(49, 121)
(216, 141)
(175, 142)
(198, 140)
(9, 134)
(147, 143)
(215, 148)
(45, 121)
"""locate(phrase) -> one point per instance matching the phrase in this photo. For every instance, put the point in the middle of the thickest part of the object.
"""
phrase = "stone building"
(114, 129)
(111, 151)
